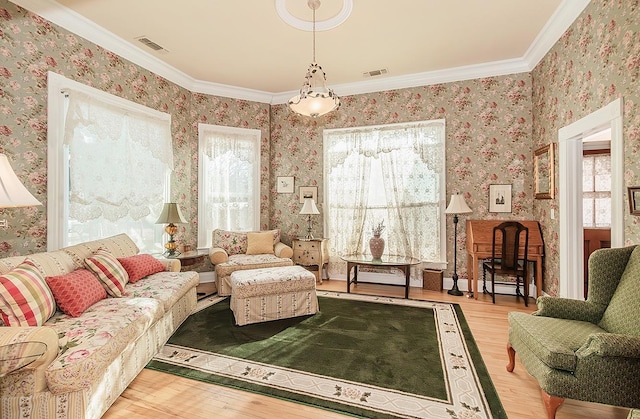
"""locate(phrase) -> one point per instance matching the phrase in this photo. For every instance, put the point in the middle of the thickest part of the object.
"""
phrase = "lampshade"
(12, 192)
(171, 214)
(309, 207)
(457, 205)
(315, 98)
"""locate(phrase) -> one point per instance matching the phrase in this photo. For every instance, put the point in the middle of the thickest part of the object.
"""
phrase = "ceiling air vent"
(148, 42)
(374, 73)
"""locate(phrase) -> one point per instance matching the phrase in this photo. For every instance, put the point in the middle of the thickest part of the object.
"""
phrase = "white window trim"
(57, 194)
(204, 237)
(442, 263)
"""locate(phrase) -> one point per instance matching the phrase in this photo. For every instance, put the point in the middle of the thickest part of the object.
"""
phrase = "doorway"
(571, 232)
(596, 196)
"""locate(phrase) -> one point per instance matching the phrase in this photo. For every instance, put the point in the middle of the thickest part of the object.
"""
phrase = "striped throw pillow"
(109, 271)
(25, 298)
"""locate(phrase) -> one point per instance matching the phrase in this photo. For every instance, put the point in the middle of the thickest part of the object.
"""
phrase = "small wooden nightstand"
(191, 258)
(314, 252)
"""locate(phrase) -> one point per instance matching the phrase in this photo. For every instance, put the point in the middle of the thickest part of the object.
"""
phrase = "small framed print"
(284, 184)
(634, 200)
(499, 198)
(308, 192)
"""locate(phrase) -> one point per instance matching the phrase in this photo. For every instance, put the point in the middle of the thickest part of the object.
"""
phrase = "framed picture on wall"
(284, 184)
(543, 173)
(634, 200)
(499, 198)
(308, 192)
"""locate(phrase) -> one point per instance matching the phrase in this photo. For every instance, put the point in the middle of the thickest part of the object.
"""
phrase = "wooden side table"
(191, 258)
(314, 252)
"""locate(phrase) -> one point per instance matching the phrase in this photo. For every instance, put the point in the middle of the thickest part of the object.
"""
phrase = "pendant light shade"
(315, 98)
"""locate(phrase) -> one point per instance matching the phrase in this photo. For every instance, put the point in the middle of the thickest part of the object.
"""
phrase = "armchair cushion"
(623, 312)
(260, 243)
(553, 341)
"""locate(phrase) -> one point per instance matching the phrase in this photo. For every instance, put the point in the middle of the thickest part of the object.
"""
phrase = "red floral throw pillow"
(77, 291)
(141, 265)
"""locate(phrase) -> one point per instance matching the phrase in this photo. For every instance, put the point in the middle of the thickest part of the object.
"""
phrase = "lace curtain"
(119, 161)
(393, 174)
(230, 174)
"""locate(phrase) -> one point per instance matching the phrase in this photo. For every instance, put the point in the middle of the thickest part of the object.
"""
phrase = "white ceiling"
(243, 49)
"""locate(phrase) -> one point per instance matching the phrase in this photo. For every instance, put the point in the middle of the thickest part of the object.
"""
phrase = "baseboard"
(207, 277)
(447, 283)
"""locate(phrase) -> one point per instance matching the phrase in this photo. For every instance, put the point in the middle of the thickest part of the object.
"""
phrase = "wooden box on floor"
(432, 279)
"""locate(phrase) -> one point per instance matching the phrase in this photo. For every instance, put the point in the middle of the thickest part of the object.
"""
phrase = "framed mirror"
(543, 176)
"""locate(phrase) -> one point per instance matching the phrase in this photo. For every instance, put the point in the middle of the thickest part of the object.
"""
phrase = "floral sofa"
(239, 250)
(95, 351)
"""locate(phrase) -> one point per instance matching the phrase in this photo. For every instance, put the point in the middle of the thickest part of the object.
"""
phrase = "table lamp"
(171, 214)
(457, 205)
(309, 208)
(13, 194)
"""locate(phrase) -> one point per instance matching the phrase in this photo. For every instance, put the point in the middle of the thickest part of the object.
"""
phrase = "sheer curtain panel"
(119, 163)
(395, 174)
(228, 180)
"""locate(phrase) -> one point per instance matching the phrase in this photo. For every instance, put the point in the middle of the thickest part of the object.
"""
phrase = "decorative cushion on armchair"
(586, 350)
(239, 250)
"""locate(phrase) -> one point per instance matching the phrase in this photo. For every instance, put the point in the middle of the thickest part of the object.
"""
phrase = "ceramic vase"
(376, 245)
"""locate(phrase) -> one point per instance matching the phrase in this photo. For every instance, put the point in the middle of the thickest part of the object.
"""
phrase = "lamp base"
(454, 290)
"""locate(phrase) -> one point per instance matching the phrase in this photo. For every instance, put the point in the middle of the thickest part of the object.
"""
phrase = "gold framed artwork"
(543, 174)
(634, 200)
(284, 184)
(499, 198)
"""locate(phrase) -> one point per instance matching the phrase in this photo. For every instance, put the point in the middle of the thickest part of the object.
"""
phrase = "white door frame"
(570, 191)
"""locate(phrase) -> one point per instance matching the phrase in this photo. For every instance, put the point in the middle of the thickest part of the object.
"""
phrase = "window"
(228, 180)
(395, 174)
(596, 190)
(109, 167)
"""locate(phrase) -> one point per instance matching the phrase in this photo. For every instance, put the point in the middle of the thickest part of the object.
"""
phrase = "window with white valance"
(112, 167)
(228, 180)
(393, 173)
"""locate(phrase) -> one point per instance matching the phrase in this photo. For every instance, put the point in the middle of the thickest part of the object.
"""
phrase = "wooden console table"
(400, 262)
(479, 246)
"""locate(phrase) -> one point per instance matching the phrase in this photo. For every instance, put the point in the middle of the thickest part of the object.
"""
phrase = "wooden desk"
(479, 246)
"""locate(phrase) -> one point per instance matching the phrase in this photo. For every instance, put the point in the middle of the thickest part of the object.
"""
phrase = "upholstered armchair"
(239, 250)
(586, 350)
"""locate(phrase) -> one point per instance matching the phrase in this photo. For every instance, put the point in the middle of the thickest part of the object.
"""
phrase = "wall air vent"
(374, 73)
(148, 42)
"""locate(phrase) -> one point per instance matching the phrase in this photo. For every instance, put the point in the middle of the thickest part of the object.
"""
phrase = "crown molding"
(562, 18)
(61, 15)
(498, 68)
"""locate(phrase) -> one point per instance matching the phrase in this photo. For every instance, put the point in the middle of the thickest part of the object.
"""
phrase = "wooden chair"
(506, 258)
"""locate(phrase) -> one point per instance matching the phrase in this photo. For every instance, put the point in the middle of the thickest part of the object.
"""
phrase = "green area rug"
(360, 355)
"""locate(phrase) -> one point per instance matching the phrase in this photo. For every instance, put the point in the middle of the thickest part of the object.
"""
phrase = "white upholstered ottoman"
(260, 295)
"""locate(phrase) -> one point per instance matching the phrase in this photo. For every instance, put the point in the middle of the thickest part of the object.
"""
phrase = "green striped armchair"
(586, 350)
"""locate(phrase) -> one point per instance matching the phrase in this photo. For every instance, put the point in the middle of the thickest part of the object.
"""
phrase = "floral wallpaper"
(493, 124)
(596, 61)
(30, 47)
(488, 141)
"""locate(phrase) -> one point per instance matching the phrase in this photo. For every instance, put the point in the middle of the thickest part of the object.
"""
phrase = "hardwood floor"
(158, 395)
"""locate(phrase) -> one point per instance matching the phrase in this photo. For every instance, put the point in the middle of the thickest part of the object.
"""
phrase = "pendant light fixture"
(315, 98)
